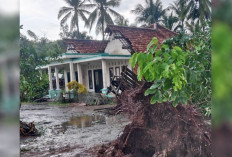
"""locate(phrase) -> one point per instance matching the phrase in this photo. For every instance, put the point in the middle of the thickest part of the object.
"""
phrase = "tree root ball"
(159, 130)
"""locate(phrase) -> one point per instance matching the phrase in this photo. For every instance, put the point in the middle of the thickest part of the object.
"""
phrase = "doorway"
(98, 80)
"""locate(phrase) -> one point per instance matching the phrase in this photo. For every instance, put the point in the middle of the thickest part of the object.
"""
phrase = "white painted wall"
(114, 47)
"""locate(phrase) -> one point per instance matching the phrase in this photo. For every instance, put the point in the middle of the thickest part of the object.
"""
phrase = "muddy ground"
(69, 130)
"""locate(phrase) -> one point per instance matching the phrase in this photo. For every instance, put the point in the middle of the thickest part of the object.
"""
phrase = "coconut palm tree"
(150, 13)
(102, 14)
(169, 21)
(75, 11)
(181, 11)
(200, 10)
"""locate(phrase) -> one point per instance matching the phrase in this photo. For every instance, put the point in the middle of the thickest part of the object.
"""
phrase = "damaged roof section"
(87, 46)
(137, 38)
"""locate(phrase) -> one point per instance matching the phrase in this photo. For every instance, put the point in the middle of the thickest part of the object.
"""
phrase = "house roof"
(87, 46)
(139, 37)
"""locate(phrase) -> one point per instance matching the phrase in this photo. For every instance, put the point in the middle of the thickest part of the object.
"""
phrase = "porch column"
(50, 77)
(104, 74)
(72, 74)
(79, 71)
(65, 79)
(57, 78)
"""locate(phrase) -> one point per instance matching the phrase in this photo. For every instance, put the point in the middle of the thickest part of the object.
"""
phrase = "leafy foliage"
(180, 70)
(163, 67)
(77, 87)
(32, 55)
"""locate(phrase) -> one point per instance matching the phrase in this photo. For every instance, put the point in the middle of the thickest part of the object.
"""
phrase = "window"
(117, 71)
(111, 73)
(76, 74)
(90, 79)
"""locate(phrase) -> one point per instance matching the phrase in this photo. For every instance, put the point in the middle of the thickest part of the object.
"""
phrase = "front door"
(98, 80)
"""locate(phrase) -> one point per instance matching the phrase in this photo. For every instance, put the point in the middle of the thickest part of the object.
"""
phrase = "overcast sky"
(40, 16)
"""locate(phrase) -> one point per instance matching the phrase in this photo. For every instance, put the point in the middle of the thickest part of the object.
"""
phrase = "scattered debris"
(43, 99)
(127, 80)
(28, 129)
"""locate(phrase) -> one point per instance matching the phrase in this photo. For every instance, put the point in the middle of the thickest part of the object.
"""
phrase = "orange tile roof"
(87, 46)
(141, 37)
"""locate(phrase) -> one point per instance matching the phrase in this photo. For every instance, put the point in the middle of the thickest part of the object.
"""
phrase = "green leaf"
(175, 103)
(148, 66)
(174, 54)
(158, 59)
(155, 85)
(154, 41)
(158, 53)
(133, 60)
(157, 98)
(140, 74)
(178, 49)
(140, 59)
(174, 95)
(150, 91)
(153, 99)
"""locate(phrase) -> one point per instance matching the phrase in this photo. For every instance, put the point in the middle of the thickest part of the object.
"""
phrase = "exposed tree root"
(159, 130)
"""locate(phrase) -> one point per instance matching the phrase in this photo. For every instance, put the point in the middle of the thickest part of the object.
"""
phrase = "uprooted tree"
(166, 120)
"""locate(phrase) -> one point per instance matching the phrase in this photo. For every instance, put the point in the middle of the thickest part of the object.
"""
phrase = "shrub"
(77, 87)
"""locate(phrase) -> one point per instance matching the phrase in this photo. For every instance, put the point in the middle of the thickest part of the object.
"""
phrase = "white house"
(93, 63)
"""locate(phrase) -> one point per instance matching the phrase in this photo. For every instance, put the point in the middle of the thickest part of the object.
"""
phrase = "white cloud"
(9, 7)
(40, 16)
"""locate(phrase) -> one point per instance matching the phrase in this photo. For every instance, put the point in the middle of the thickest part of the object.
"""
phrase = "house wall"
(114, 47)
(92, 66)
(98, 65)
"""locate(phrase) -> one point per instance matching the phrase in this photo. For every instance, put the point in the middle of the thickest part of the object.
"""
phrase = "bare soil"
(68, 131)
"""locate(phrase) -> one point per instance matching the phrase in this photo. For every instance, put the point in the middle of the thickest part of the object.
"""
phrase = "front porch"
(95, 72)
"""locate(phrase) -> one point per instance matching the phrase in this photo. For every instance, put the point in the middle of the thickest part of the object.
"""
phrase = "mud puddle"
(84, 121)
(68, 131)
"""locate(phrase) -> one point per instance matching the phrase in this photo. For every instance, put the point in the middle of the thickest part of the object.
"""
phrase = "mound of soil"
(159, 130)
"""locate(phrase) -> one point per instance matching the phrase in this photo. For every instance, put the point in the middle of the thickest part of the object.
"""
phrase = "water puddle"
(84, 121)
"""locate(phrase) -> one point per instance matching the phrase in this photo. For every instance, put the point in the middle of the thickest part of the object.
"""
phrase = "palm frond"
(92, 18)
(138, 9)
(108, 19)
(115, 14)
(113, 3)
(74, 21)
(83, 17)
(65, 18)
(63, 10)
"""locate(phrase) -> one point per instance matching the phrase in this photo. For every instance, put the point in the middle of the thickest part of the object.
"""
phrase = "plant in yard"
(77, 87)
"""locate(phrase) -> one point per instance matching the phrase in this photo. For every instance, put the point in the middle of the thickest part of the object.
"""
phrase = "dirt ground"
(69, 130)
